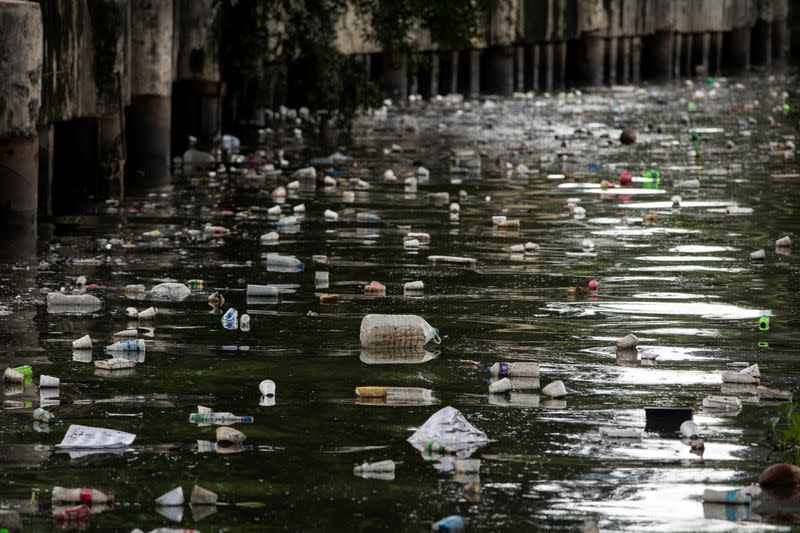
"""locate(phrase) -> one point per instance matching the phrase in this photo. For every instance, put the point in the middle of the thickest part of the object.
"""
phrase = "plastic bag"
(88, 437)
(447, 431)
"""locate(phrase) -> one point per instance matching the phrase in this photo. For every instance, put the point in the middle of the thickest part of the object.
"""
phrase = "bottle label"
(85, 496)
(503, 372)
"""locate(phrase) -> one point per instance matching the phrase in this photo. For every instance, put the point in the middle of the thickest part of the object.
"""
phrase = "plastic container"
(396, 331)
(201, 496)
(171, 498)
(331, 216)
(12, 376)
(411, 243)
(556, 389)
(84, 343)
(500, 386)
(621, 433)
(262, 290)
(783, 242)
(56, 299)
(228, 436)
(729, 497)
(115, 363)
(690, 430)
(413, 286)
(270, 238)
(504, 370)
(284, 261)
(722, 403)
(379, 466)
(132, 345)
(758, 255)
(267, 387)
(244, 322)
(87, 496)
(148, 314)
(48, 382)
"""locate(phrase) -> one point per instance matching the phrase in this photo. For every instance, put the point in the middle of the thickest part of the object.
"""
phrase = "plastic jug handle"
(436, 338)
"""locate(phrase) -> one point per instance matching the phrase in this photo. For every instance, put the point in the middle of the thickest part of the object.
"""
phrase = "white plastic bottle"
(284, 261)
(503, 370)
(131, 345)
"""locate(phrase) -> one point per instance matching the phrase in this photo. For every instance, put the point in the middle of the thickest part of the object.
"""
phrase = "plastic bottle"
(262, 290)
(230, 320)
(42, 415)
(244, 322)
(505, 370)
(396, 331)
(131, 345)
(451, 524)
(284, 261)
(196, 284)
(87, 496)
(367, 217)
(219, 418)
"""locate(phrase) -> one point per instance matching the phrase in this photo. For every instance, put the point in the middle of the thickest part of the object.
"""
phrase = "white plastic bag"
(87, 437)
(447, 431)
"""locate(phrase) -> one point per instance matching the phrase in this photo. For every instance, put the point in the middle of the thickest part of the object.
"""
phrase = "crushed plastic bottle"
(137, 345)
(230, 319)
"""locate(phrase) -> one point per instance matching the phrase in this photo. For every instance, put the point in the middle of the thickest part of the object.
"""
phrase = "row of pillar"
(592, 60)
(132, 126)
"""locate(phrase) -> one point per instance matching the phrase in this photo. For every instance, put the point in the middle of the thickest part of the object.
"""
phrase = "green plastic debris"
(786, 108)
(26, 371)
(655, 179)
(763, 323)
(691, 106)
(763, 344)
(710, 80)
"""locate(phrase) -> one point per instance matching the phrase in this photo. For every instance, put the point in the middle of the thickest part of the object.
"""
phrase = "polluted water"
(541, 283)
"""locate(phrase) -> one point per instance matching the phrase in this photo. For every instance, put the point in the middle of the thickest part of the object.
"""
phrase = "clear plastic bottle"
(131, 345)
(230, 320)
(219, 418)
(505, 370)
(396, 331)
(284, 261)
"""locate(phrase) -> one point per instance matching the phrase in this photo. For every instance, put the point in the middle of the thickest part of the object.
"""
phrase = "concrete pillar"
(549, 66)
(21, 57)
(395, 76)
(716, 52)
(535, 51)
(561, 48)
(519, 68)
(705, 50)
(761, 40)
(627, 44)
(149, 116)
(676, 57)
(636, 59)
(593, 49)
(659, 55)
(474, 68)
(45, 201)
(779, 41)
(738, 50)
(612, 53)
(688, 44)
(500, 66)
(453, 72)
(197, 92)
(434, 88)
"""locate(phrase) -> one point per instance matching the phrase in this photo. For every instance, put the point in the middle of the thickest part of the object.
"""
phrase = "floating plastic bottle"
(505, 370)
(284, 261)
(722, 403)
(367, 217)
(132, 345)
(763, 323)
(86, 496)
(396, 331)
(230, 320)
(219, 418)
(621, 433)
(262, 290)
(731, 497)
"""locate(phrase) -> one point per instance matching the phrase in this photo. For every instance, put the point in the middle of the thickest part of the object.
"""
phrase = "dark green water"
(684, 284)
